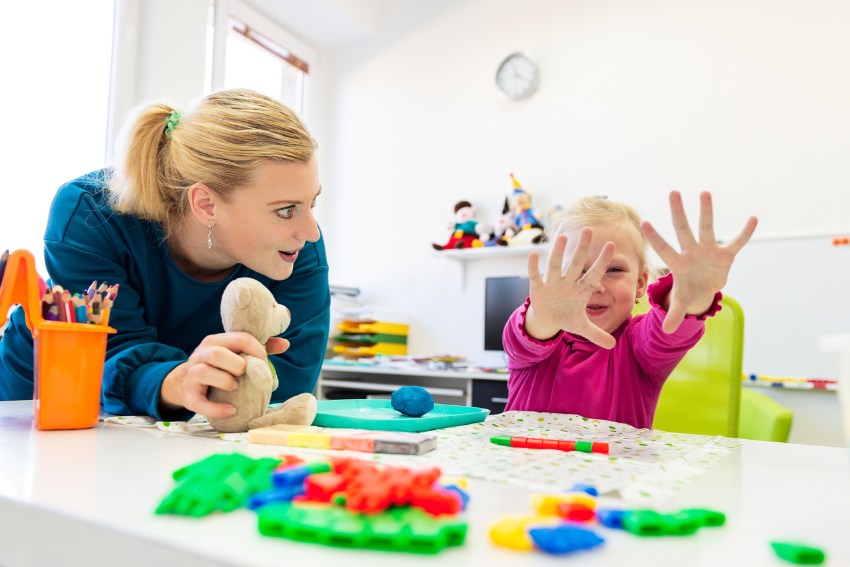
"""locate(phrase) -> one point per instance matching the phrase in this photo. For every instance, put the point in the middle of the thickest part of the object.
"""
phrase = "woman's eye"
(285, 213)
(615, 270)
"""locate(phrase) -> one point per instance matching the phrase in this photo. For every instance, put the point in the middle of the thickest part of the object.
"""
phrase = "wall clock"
(517, 76)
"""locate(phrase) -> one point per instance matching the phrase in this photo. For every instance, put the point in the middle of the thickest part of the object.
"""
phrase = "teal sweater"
(161, 314)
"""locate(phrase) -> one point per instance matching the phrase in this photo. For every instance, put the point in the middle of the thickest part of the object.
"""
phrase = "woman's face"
(265, 224)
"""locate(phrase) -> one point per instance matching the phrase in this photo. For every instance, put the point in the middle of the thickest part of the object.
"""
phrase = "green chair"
(763, 418)
(703, 394)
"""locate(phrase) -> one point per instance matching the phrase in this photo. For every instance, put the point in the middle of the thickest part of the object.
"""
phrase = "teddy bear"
(247, 305)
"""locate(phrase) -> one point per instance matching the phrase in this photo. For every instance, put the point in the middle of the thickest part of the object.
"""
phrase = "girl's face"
(265, 224)
(611, 303)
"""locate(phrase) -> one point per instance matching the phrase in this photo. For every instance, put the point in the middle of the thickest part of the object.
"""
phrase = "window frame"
(236, 9)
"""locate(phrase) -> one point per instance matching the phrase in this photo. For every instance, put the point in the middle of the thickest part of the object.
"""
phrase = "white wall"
(745, 98)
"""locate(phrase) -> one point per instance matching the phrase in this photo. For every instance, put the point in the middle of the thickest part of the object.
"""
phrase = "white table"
(87, 498)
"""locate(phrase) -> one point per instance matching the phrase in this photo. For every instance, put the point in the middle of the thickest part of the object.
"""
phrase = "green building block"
(709, 518)
(645, 523)
(798, 553)
(682, 523)
(398, 529)
(217, 483)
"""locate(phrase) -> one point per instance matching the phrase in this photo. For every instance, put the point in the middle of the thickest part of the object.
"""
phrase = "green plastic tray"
(380, 415)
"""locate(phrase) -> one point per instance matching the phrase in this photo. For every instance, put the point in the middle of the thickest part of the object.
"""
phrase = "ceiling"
(323, 23)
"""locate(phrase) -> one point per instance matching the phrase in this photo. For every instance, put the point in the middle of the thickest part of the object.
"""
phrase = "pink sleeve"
(657, 352)
(522, 349)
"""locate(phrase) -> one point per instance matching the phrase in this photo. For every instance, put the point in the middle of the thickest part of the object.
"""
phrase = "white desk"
(87, 498)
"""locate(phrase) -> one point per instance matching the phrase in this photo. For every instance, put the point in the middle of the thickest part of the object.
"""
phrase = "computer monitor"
(501, 298)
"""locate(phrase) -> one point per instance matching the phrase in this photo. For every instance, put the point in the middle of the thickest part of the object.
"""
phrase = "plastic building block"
(575, 512)
(217, 483)
(294, 476)
(709, 518)
(512, 532)
(400, 529)
(547, 504)
(645, 523)
(564, 539)
(798, 553)
(435, 500)
(464, 497)
(275, 495)
(682, 523)
(582, 487)
(322, 486)
(412, 401)
(610, 518)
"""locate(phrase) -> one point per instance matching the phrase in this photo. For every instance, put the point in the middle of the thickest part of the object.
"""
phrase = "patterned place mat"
(643, 464)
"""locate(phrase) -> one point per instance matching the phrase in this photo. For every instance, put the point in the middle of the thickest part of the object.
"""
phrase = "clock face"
(517, 76)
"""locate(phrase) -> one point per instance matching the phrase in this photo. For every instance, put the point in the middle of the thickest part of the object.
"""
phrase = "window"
(254, 52)
(56, 74)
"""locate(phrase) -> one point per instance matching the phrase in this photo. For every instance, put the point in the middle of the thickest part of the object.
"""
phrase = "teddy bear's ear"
(242, 296)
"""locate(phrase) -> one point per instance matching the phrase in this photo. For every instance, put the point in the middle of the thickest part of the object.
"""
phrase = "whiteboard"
(793, 290)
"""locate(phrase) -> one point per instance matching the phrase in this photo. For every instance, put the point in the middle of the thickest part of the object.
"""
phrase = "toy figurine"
(503, 227)
(529, 230)
(466, 232)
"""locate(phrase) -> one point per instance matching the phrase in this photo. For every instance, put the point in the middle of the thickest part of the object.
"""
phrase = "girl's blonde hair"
(593, 211)
(220, 143)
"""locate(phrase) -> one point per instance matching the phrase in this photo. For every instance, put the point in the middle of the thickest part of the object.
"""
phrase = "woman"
(196, 200)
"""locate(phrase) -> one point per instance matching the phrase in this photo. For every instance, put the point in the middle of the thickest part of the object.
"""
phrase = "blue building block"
(564, 539)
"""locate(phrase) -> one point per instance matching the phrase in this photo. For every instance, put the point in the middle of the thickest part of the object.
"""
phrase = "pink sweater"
(569, 374)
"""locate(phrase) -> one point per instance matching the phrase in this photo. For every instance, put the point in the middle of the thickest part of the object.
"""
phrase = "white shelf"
(485, 252)
(464, 255)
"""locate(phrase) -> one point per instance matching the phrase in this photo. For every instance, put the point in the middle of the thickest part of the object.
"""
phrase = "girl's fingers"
(680, 221)
(534, 277)
(575, 266)
(597, 271)
(674, 318)
(706, 219)
(556, 258)
(739, 241)
(666, 252)
(597, 336)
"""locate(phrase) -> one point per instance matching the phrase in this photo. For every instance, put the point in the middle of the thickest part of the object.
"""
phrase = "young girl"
(574, 347)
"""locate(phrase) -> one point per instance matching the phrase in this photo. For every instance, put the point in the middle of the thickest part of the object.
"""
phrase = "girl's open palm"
(560, 301)
(702, 266)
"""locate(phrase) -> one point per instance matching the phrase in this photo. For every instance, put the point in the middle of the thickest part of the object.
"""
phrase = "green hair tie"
(171, 122)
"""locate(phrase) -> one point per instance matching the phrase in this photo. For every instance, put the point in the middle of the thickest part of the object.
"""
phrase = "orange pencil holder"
(68, 357)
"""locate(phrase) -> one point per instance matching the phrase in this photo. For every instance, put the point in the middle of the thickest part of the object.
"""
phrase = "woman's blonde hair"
(593, 211)
(220, 143)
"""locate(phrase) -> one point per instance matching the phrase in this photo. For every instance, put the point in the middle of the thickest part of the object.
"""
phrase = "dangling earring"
(209, 235)
(637, 300)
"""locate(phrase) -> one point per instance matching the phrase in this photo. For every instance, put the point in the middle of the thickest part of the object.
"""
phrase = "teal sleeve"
(16, 361)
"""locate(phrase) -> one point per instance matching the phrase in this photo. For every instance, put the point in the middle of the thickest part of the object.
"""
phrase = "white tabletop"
(87, 498)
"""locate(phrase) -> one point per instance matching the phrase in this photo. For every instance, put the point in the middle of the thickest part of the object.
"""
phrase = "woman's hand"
(702, 267)
(215, 362)
(560, 301)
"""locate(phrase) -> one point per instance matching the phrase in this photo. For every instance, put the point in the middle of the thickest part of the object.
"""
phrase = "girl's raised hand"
(560, 301)
(702, 267)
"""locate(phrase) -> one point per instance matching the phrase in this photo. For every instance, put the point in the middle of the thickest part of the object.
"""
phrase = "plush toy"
(466, 232)
(247, 305)
(503, 227)
(529, 230)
